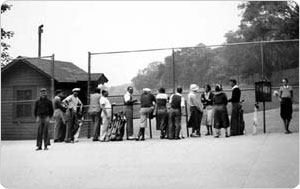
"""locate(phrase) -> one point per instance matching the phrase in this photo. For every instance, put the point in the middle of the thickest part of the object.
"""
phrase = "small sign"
(263, 91)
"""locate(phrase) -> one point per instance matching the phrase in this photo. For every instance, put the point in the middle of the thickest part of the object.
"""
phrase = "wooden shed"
(21, 81)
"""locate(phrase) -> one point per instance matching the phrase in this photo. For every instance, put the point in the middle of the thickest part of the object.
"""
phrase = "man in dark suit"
(43, 112)
(235, 125)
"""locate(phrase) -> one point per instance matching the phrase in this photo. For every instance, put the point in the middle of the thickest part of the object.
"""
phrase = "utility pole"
(40, 31)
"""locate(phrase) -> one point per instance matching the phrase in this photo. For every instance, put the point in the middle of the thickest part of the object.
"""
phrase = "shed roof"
(63, 71)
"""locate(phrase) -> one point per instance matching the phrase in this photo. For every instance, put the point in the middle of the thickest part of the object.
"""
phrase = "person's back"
(147, 100)
(220, 98)
(147, 106)
(95, 103)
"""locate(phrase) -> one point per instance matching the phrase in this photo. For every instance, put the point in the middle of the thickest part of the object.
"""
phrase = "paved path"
(265, 160)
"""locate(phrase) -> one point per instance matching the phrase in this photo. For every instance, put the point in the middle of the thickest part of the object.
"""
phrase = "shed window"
(25, 104)
(24, 109)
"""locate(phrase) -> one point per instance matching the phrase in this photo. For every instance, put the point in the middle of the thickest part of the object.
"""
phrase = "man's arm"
(35, 108)
(51, 111)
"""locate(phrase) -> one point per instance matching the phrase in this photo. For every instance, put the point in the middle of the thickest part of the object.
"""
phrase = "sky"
(74, 28)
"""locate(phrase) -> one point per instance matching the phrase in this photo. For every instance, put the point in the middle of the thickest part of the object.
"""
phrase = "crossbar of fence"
(205, 46)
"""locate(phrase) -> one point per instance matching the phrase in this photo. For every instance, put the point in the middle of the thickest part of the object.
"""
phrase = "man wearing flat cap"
(74, 107)
(147, 106)
(43, 111)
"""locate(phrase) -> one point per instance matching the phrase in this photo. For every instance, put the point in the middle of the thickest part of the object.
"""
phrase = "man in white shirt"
(105, 114)
(74, 106)
(129, 101)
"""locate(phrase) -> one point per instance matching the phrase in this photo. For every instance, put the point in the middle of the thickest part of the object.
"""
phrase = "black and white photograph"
(149, 94)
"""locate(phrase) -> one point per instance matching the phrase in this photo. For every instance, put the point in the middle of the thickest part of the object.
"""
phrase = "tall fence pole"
(40, 31)
(262, 77)
(88, 90)
(262, 59)
(173, 60)
(52, 76)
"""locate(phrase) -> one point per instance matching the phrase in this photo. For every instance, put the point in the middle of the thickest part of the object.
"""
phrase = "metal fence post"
(173, 61)
(52, 76)
(186, 119)
(150, 129)
(88, 91)
(262, 59)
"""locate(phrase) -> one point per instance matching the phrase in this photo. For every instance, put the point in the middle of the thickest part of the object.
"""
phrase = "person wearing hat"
(59, 117)
(195, 111)
(105, 114)
(94, 111)
(43, 111)
(221, 119)
(147, 106)
(128, 102)
(235, 125)
(74, 105)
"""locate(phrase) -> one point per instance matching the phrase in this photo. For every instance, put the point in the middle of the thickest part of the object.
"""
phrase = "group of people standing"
(66, 113)
(209, 109)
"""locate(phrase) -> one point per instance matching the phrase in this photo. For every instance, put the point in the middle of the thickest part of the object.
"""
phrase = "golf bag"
(116, 127)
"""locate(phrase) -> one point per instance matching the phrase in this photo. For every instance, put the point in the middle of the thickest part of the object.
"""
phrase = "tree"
(5, 58)
(269, 20)
(263, 21)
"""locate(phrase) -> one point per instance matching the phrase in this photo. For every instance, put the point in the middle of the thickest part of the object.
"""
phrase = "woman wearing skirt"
(221, 119)
(207, 101)
(286, 100)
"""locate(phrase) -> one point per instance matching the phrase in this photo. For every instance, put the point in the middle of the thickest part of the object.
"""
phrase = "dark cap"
(58, 91)
(43, 89)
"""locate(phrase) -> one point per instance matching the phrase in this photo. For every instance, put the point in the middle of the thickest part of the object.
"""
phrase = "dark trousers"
(129, 120)
(174, 123)
(96, 119)
(235, 122)
(195, 119)
(42, 133)
(71, 121)
(162, 120)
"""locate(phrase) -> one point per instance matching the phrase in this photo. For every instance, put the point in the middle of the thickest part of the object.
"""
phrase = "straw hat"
(194, 87)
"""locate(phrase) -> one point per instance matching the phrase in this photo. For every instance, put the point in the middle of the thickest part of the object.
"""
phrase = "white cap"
(146, 89)
(194, 87)
(76, 89)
